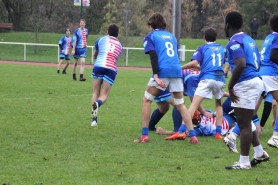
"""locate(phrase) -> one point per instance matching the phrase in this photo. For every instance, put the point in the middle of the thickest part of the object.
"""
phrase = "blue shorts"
(190, 85)
(163, 96)
(63, 56)
(80, 53)
(105, 74)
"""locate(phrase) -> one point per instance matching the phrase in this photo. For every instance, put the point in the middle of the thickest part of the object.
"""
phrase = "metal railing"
(35, 52)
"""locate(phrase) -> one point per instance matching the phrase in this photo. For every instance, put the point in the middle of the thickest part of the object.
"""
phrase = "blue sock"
(218, 129)
(177, 119)
(276, 125)
(99, 103)
(156, 116)
(145, 131)
(182, 128)
(236, 130)
(191, 133)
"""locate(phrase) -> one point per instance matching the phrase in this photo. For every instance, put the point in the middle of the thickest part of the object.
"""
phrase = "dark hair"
(210, 34)
(234, 19)
(67, 29)
(113, 30)
(157, 21)
(274, 22)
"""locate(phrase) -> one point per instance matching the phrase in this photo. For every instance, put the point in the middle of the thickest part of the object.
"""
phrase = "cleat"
(238, 166)
(230, 142)
(74, 79)
(273, 142)
(218, 136)
(194, 140)
(82, 79)
(142, 139)
(177, 136)
(94, 110)
(94, 123)
(64, 72)
(258, 160)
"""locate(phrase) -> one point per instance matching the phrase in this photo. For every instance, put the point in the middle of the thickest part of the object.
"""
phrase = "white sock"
(244, 160)
(259, 151)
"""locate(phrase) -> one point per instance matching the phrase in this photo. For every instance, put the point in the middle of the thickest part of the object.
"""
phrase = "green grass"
(50, 53)
(46, 137)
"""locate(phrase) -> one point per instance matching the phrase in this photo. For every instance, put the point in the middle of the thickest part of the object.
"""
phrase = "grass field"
(50, 53)
(46, 137)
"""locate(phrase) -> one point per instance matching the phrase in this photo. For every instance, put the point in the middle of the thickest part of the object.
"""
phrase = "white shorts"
(249, 93)
(172, 84)
(208, 87)
(270, 83)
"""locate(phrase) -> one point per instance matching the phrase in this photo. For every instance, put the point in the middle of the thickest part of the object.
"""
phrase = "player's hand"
(233, 96)
(63, 51)
(208, 114)
(160, 82)
(72, 53)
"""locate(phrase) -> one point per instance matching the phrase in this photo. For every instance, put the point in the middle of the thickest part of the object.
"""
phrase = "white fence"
(47, 56)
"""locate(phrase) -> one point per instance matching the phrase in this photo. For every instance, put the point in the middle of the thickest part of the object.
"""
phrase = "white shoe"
(94, 123)
(230, 142)
(94, 110)
(258, 160)
(273, 142)
(238, 166)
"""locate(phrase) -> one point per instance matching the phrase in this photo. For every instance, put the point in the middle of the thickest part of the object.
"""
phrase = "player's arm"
(240, 64)
(193, 64)
(95, 54)
(274, 55)
(154, 62)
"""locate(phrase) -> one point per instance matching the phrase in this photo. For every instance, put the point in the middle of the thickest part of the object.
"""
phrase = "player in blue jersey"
(162, 47)
(210, 57)
(79, 49)
(64, 45)
(107, 51)
(269, 68)
(245, 88)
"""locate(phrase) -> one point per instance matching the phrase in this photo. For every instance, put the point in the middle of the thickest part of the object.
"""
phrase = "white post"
(182, 53)
(126, 57)
(58, 53)
(24, 52)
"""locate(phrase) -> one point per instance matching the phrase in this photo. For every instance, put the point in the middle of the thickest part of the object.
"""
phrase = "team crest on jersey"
(214, 48)
(266, 41)
(252, 45)
(145, 43)
(235, 47)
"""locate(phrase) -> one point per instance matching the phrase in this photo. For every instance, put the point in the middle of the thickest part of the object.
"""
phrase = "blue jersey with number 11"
(211, 59)
(166, 47)
(242, 45)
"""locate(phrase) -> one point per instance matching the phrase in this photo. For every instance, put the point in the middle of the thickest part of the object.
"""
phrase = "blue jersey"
(80, 37)
(242, 45)
(268, 68)
(166, 47)
(211, 59)
(65, 42)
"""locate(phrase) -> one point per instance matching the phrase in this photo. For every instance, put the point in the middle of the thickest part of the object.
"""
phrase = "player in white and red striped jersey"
(207, 126)
(107, 51)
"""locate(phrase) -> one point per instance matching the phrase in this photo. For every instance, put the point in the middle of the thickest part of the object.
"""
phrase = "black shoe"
(74, 79)
(258, 160)
(64, 72)
(82, 79)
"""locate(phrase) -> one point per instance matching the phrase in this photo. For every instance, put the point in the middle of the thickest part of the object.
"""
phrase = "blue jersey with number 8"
(166, 47)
